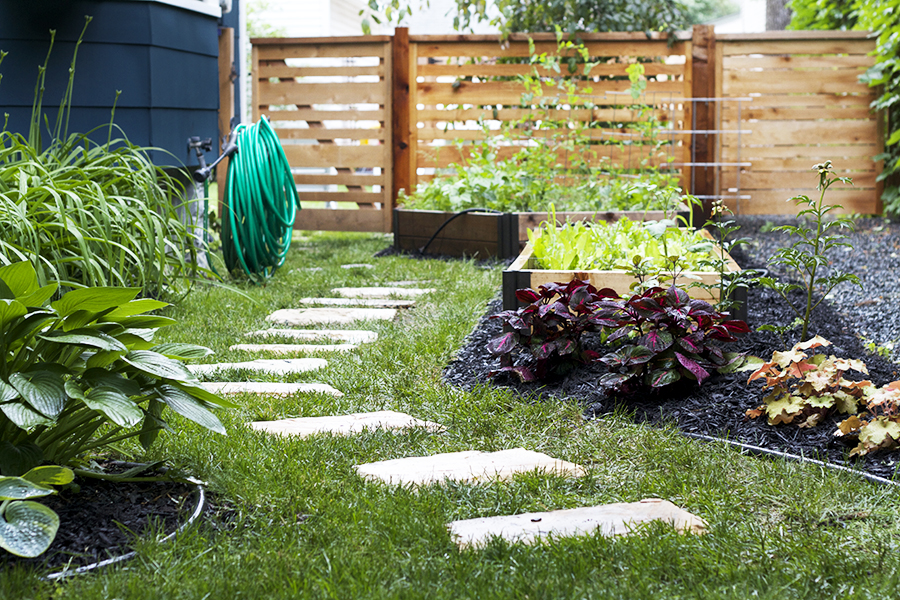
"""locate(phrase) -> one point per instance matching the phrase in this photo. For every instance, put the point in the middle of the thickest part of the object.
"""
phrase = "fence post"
(400, 99)
(703, 146)
(226, 105)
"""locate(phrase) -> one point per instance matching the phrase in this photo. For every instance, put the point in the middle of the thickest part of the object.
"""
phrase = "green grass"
(297, 522)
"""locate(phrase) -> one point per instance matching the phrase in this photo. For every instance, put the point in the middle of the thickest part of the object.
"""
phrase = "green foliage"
(84, 372)
(807, 255)
(619, 245)
(91, 215)
(28, 528)
(883, 19)
(729, 281)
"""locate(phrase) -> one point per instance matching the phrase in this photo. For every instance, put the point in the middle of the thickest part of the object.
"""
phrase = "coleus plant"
(663, 337)
(806, 389)
(544, 337)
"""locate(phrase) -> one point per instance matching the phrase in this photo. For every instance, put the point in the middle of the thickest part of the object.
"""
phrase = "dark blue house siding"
(163, 59)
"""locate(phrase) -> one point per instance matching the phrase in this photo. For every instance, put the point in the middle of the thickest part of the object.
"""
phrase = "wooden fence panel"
(466, 89)
(806, 105)
(329, 100)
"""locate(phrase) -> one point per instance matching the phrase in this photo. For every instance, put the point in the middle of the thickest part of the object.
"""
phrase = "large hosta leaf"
(182, 351)
(10, 310)
(50, 475)
(27, 528)
(18, 459)
(24, 416)
(43, 390)
(20, 278)
(95, 299)
(115, 405)
(85, 337)
(18, 488)
(190, 408)
(157, 364)
(135, 307)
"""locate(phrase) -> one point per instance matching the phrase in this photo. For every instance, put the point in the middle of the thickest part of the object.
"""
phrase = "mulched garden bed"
(717, 408)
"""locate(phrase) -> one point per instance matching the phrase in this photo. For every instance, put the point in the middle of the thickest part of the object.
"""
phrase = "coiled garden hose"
(260, 203)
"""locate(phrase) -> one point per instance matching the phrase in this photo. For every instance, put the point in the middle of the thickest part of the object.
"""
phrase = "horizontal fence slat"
(323, 219)
(804, 132)
(853, 61)
(730, 48)
(739, 83)
(510, 92)
(848, 166)
(324, 133)
(320, 50)
(506, 70)
(308, 114)
(289, 92)
(777, 203)
(361, 197)
(801, 181)
(814, 154)
(334, 155)
(284, 71)
(516, 48)
(338, 179)
(516, 114)
(544, 135)
(796, 113)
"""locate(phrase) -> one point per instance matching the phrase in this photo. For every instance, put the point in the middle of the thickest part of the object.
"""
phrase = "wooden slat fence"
(806, 106)
(361, 118)
(329, 100)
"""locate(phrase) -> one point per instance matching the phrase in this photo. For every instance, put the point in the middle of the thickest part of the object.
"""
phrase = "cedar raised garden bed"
(486, 235)
(524, 273)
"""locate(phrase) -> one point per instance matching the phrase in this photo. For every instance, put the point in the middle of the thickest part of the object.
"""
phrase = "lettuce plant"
(546, 334)
(83, 372)
(664, 336)
(27, 528)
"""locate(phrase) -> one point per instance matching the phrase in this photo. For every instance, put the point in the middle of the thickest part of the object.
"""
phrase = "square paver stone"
(283, 349)
(270, 388)
(380, 292)
(345, 424)
(471, 465)
(351, 336)
(276, 366)
(329, 316)
(368, 302)
(607, 519)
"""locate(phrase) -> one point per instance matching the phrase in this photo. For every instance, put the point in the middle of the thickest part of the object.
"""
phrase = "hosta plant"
(27, 528)
(83, 372)
(805, 389)
(663, 337)
(544, 337)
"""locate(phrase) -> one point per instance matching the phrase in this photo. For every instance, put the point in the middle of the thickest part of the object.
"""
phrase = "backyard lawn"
(290, 517)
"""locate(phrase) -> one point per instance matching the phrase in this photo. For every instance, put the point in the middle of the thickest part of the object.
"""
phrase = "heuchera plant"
(546, 334)
(806, 389)
(664, 336)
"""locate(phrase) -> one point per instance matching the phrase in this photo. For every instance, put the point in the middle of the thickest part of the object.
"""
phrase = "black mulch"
(717, 408)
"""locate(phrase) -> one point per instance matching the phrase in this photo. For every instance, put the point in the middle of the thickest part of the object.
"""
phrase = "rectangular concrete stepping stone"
(282, 366)
(380, 292)
(471, 465)
(325, 316)
(344, 424)
(284, 349)
(370, 302)
(358, 266)
(607, 519)
(351, 336)
(270, 388)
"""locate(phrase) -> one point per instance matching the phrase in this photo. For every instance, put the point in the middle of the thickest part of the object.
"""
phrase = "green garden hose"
(260, 203)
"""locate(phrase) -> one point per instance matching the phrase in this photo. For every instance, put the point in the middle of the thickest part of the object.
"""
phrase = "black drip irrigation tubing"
(201, 503)
(793, 457)
(448, 221)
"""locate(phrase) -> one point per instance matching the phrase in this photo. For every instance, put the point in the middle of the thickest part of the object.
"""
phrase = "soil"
(718, 407)
(100, 519)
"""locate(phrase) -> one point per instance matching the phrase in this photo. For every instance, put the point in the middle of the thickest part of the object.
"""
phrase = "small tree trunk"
(778, 15)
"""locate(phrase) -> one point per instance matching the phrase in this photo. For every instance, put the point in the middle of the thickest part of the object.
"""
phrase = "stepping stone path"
(330, 316)
(275, 366)
(370, 302)
(465, 466)
(344, 424)
(271, 388)
(282, 349)
(358, 266)
(380, 292)
(608, 519)
(351, 336)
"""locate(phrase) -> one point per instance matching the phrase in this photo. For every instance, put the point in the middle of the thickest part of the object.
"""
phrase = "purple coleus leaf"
(693, 366)
(645, 307)
(657, 340)
(692, 343)
(502, 344)
(620, 333)
(662, 377)
(527, 296)
(675, 296)
(524, 373)
(613, 380)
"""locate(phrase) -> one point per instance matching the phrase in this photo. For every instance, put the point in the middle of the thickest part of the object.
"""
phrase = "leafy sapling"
(807, 255)
(730, 281)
